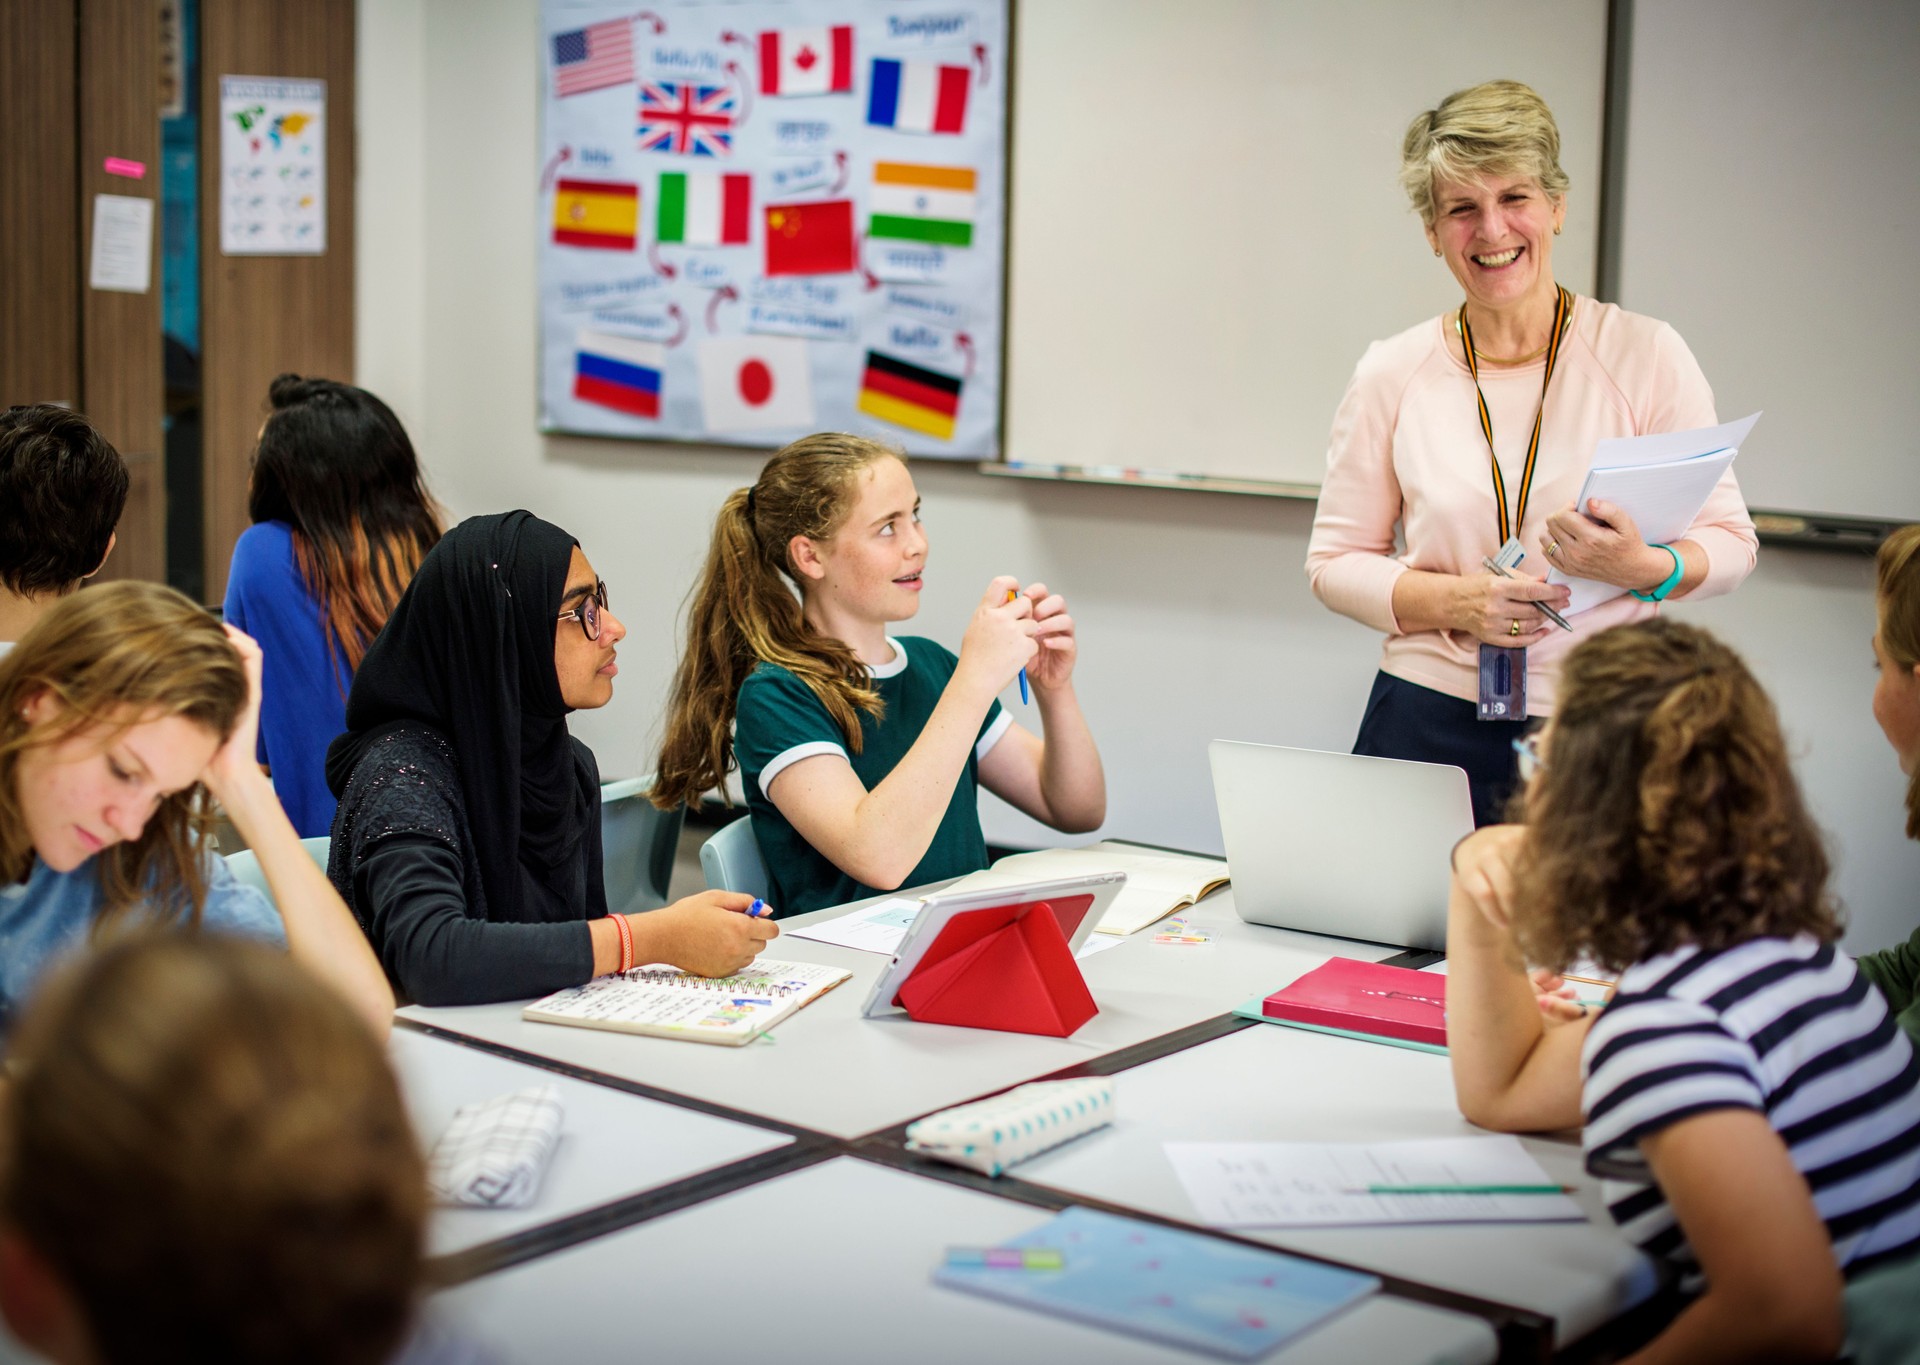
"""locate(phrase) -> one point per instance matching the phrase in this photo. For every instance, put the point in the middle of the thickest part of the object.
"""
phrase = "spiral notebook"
(665, 1002)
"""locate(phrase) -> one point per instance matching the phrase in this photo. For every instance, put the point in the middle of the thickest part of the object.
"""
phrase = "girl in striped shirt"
(1749, 1104)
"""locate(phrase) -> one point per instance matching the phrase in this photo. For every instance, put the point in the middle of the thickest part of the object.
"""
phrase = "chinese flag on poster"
(811, 239)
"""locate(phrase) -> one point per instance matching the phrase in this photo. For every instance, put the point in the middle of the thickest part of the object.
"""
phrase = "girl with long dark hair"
(341, 519)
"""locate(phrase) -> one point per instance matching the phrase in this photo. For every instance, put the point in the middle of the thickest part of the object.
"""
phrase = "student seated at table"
(468, 835)
(62, 489)
(204, 1156)
(341, 519)
(1748, 1101)
(121, 713)
(860, 751)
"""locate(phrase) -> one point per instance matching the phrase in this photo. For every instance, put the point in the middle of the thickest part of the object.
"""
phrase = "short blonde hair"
(1495, 128)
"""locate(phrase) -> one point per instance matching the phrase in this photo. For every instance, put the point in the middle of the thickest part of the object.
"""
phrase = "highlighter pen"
(1463, 1189)
(1545, 610)
(1025, 700)
(759, 909)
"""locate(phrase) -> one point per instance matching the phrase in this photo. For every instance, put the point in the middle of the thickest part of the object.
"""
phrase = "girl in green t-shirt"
(860, 751)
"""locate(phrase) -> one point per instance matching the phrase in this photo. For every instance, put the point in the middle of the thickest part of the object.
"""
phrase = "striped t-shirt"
(1786, 1027)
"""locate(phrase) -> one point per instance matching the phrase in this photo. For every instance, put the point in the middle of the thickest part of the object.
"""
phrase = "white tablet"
(1076, 902)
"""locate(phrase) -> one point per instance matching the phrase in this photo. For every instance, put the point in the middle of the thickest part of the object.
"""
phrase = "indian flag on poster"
(704, 208)
(913, 203)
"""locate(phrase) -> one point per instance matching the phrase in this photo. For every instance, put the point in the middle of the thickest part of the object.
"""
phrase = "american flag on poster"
(593, 58)
(686, 119)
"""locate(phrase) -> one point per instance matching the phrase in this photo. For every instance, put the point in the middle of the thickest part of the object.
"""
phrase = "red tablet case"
(1365, 997)
(1006, 967)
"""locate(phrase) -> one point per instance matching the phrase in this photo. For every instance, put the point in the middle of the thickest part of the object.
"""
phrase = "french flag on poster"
(918, 97)
(807, 61)
(618, 372)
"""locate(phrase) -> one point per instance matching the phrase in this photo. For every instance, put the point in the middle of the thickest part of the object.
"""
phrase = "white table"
(834, 1263)
(1277, 1084)
(612, 1144)
(829, 1070)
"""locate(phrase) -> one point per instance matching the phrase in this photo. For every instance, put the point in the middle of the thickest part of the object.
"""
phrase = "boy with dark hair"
(62, 489)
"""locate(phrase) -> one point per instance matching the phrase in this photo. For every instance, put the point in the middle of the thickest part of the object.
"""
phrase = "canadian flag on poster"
(755, 383)
(807, 61)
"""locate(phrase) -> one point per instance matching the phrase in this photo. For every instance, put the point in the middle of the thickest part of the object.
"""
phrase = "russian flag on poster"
(755, 383)
(807, 61)
(918, 97)
(705, 208)
(618, 372)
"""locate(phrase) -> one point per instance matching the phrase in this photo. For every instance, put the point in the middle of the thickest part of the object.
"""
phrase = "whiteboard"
(764, 219)
(1769, 213)
(1207, 224)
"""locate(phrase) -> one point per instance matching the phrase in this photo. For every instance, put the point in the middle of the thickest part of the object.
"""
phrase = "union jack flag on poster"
(686, 119)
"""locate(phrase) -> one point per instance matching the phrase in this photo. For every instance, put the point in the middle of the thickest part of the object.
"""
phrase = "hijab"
(469, 650)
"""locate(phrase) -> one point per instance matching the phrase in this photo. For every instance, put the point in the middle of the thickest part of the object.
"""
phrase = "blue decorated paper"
(1184, 1288)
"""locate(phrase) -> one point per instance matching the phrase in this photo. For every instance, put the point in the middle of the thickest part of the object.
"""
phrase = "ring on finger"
(1514, 629)
(1553, 548)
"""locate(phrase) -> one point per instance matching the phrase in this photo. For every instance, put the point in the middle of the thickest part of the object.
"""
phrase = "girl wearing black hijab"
(467, 841)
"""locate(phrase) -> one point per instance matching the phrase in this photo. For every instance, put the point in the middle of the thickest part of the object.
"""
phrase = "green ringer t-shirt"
(779, 722)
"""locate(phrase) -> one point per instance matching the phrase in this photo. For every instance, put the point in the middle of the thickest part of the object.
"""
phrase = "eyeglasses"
(588, 612)
(1531, 761)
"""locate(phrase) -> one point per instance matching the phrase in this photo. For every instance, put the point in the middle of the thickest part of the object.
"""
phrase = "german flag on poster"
(908, 396)
(596, 213)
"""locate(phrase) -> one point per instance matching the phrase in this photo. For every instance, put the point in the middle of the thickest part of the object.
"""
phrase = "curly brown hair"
(1666, 813)
(1899, 598)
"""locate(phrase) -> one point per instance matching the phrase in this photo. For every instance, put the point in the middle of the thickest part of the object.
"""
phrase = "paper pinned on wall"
(273, 167)
(122, 255)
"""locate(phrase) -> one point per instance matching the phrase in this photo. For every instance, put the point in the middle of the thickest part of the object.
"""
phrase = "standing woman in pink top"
(1479, 425)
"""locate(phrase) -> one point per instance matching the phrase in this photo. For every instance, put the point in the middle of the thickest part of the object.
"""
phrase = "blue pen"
(1025, 699)
(759, 909)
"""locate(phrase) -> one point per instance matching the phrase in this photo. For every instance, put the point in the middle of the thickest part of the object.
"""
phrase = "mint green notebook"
(1251, 1010)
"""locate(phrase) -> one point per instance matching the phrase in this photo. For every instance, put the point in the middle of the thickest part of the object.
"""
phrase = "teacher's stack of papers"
(1335, 1184)
(1662, 482)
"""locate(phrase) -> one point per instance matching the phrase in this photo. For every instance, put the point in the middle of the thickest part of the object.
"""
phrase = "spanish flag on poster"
(909, 396)
(596, 213)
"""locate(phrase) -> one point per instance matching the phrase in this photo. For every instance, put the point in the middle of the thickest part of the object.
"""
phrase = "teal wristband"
(1659, 594)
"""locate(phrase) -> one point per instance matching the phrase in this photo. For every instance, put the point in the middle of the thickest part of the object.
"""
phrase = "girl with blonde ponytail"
(861, 752)
(1750, 1109)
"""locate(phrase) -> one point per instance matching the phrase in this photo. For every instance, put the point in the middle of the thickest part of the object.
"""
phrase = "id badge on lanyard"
(1503, 671)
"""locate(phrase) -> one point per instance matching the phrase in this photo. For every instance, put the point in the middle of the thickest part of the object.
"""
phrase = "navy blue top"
(303, 701)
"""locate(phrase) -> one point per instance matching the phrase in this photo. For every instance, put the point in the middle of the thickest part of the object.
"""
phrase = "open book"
(1157, 883)
(665, 1002)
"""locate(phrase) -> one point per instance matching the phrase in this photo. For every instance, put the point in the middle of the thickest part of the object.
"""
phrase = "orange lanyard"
(1562, 307)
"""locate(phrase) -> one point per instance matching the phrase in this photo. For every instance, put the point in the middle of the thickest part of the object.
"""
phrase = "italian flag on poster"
(704, 208)
(922, 203)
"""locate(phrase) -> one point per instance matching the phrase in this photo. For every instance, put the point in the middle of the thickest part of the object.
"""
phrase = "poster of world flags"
(763, 218)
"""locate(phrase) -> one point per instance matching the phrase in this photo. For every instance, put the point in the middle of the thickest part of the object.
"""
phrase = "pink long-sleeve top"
(1407, 454)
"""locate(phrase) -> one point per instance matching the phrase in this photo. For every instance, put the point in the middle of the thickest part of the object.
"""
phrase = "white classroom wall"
(1195, 616)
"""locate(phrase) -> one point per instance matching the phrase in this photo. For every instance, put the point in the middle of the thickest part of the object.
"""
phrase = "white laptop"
(1339, 843)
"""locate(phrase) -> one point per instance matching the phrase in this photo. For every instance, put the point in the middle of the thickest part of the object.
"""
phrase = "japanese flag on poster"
(806, 61)
(755, 383)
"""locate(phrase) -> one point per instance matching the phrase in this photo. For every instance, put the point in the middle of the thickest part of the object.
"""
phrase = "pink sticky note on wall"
(132, 170)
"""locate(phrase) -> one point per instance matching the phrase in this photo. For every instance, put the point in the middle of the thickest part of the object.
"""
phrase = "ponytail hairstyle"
(746, 610)
(1665, 812)
(208, 1149)
(1899, 601)
(335, 464)
(113, 657)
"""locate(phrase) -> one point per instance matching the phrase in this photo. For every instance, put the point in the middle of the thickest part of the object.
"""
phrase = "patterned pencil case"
(992, 1134)
(494, 1153)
